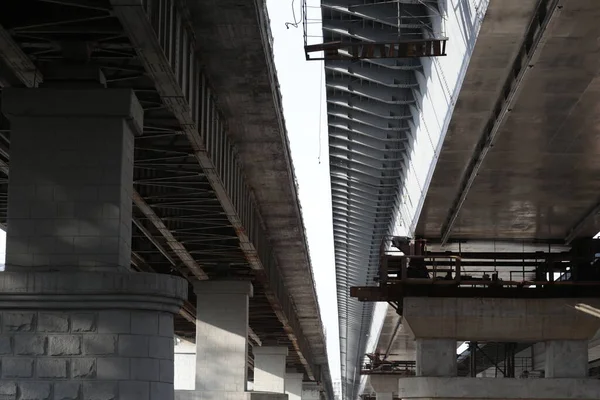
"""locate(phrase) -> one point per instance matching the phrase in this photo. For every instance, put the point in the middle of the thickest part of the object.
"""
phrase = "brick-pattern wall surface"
(59, 217)
(80, 355)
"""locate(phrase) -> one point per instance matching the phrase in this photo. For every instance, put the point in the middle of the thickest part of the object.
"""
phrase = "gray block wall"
(79, 355)
(71, 177)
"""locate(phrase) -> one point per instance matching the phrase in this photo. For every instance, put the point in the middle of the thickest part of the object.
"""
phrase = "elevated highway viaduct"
(499, 142)
(516, 175)
(148, 136)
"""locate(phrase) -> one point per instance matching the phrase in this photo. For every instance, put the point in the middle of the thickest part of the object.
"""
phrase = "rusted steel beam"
(374, 50)
(179, 249)
(397, 291)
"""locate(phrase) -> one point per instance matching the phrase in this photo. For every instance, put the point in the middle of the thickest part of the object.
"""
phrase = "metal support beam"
(473, 359)
(186, 258)
(20, 68)
(524, 61)
(188, 311)
(374, 50)
(167, 50)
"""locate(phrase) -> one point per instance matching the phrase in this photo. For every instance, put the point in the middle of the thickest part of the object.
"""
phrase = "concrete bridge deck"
(520, 154)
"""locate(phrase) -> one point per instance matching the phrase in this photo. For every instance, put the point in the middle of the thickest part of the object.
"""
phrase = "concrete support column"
(222, 338)
(293, 385)
(76, 324)
(436, 357)
(311, 391)
(384, 386)
(269, 368)
(71, 178)
(566, 359)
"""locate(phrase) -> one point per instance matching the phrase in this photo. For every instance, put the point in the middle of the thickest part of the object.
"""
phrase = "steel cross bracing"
(193, 212)
(372, 108)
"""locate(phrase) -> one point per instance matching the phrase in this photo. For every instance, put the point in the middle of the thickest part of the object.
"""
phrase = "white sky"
(301, 83)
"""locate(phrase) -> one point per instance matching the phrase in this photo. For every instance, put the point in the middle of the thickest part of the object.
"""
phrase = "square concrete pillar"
(222, 337)
(76, 323)
(311, 391)
(269, 368)
(566, 359)
(436, 357)
(71, 177)
(293, 385)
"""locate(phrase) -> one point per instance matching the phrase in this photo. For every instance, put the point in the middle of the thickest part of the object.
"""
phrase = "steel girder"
(372, 105)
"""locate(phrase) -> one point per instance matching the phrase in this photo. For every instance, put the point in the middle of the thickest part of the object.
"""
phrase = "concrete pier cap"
(223, 287)
(499, 319)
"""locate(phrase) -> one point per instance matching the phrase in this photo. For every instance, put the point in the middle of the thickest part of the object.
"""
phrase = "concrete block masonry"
(117, 345)
(74, 355)
(82, 327)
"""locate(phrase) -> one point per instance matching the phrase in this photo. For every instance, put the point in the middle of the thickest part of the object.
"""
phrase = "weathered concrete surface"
(499, 39)
(88, 335)
(293, 385)
(69, 207)
(222, 336)
(520, 320)
(198, 395)
(269, 368)
(384, 383)
(566, 359)
(230, 37)
(268, 396)
(493, 388)
(310, 391)
(436, 357)
(538, 180)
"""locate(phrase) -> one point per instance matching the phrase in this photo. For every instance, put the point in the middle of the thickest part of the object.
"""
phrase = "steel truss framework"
(194, 215)
(373, 110)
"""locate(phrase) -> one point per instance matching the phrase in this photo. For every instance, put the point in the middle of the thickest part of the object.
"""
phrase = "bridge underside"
(196, 214)
(373, 108)
(528, 104)
(524, 135)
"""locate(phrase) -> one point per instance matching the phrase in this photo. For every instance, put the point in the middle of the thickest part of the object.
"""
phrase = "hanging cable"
(321, 109)
(296, 23)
